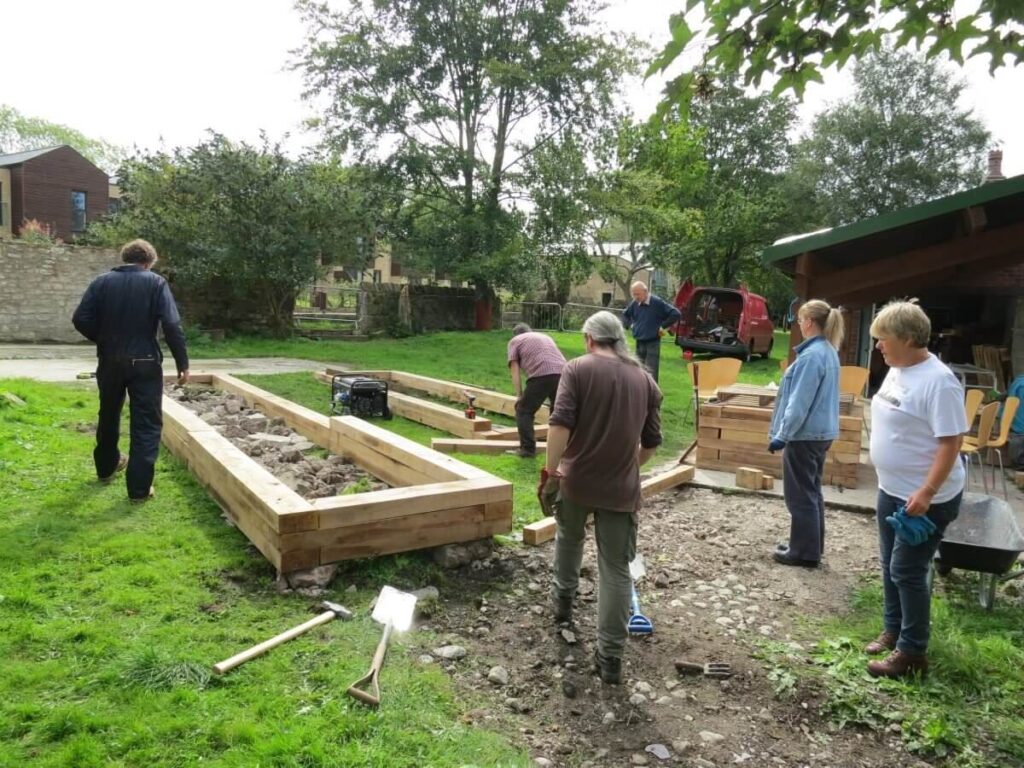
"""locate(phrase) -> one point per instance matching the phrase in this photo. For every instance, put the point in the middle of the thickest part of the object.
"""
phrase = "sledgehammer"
(334, 611)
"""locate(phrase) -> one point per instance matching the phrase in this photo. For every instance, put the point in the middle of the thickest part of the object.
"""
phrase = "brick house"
(962, 256)
(56, 186)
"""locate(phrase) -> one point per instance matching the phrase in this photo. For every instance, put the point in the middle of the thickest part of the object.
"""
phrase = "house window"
(376, 276)
(396, 269)
(77, 211)
(606, 299)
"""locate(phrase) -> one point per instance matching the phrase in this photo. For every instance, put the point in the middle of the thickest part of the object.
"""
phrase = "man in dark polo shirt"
(606, 423)
(536, 355)
(121, 311)
(648, 316)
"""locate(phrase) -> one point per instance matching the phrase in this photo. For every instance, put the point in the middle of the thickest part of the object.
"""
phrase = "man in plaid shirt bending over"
(536, 355)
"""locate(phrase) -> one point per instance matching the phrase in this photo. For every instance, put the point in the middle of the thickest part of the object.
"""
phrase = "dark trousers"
(649, 353)
(803, 462)
(143, 381)
(537, 390)
(908, 600)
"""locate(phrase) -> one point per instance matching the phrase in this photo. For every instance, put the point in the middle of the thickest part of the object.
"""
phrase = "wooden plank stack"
(734, 436)
(995, 359)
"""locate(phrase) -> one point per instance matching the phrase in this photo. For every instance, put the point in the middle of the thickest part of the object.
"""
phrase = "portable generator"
(359, 396)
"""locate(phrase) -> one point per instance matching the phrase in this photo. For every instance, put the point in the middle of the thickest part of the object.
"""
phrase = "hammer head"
(340, 611)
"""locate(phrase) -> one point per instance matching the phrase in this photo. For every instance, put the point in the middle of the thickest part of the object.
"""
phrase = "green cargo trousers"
(615, 533)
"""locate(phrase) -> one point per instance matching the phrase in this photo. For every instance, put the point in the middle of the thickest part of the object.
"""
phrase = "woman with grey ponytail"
(606, 423)
(804, 424)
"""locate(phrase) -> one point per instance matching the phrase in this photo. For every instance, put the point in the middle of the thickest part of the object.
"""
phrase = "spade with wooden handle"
(334, 611)
(394, 609)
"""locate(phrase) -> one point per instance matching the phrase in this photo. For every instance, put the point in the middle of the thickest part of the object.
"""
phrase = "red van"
(723, 321)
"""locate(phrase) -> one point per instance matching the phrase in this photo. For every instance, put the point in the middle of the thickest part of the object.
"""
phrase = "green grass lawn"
(479, 358)
(110, 615)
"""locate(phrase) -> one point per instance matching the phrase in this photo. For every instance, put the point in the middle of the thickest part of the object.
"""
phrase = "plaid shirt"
(536, 354)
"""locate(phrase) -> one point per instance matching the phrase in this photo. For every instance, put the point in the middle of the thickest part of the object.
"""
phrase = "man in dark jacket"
(120, 312)
(648, 316)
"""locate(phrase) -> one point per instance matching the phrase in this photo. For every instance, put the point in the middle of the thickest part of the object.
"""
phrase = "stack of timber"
(436, 499)
(734, 436)
(995, 359)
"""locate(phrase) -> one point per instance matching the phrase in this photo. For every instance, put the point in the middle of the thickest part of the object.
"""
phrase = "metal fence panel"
(539, 315)
(574, 315)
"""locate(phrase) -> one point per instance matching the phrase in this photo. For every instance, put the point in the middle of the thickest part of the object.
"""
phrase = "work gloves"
(547, 492)
(776, 445)
(914, 530)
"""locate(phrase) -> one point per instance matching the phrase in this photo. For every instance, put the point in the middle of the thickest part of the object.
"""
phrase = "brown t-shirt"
(610, 407)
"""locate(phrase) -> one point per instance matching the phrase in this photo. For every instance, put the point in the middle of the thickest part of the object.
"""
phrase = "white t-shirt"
(914, 407)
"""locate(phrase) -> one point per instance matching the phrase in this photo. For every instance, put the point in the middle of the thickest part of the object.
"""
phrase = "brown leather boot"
(898, 664)
(884, 642)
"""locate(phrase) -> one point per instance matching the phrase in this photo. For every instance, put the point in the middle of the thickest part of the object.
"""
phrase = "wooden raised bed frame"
(435, 499)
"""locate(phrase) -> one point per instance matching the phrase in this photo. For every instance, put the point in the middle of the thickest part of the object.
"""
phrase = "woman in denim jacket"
(804, 424)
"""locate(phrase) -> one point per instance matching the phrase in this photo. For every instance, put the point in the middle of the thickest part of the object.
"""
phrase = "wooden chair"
(853, 380)
(974, 446)
(708, 375)
(972, 404)
(999, 442)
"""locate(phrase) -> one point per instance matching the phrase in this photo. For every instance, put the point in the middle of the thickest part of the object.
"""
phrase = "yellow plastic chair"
(972, 404)
(973, 447)
(853, 380)
(996, 445)
(708, 375)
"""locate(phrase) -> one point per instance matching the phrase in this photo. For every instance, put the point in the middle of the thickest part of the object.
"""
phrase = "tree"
(455, 96)
(899, 140)
(746, 151)
(245, 219)
(793, 40)
(19, 133)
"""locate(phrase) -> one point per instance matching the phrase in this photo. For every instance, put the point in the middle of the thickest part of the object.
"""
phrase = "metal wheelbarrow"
(985, 538)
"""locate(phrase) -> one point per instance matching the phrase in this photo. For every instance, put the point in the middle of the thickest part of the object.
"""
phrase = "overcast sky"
(148, 74)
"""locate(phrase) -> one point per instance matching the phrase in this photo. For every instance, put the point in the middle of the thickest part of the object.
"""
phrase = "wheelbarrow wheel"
(987, 583)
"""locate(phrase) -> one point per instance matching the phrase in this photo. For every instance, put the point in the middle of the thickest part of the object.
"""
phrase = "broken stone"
(660, 751)
(321, 576)
(498, 675)
(569, 636)
(450, 652)
(638, 759)
(426, 658)
(710, 737)
(637, 699)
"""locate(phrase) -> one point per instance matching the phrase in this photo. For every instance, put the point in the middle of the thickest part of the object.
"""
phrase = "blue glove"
(912, 530)
(776, 445)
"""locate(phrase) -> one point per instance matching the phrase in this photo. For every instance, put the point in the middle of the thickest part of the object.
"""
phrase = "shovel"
(394, 609)
(638, 623)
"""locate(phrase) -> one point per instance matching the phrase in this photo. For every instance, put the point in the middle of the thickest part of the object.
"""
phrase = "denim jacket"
(807, 406)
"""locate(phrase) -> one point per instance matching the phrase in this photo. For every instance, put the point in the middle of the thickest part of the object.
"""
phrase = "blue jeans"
(908, 601)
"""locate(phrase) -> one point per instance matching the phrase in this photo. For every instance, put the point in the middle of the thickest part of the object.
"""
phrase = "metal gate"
(541, 316)
(574, 315)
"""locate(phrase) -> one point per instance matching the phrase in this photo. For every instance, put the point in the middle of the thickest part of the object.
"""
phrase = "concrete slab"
(53, 363)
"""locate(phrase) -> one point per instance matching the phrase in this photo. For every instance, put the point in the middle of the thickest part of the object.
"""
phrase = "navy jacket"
(120, 311)
(646, 319)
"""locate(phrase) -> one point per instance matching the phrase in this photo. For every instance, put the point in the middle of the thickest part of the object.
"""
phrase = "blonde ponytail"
(829, 320)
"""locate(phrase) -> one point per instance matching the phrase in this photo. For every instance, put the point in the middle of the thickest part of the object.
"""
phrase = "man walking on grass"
(648, 316)
(120, 312)
(605, 424)
(536, 355)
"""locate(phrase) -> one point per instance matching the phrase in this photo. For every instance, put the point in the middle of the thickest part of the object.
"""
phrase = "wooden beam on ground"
(437, 416)
(652, 486)
(446, 445)
(500, 432)
(339, 512)
(307, 422)
(544, 530)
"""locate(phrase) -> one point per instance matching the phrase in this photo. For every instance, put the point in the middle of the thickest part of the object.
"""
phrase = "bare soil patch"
(713, 594)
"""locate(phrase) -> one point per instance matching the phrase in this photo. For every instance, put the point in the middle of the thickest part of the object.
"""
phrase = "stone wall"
(40, 286)
(429, 308)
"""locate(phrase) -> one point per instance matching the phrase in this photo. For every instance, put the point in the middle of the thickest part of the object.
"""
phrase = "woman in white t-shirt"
(917, 424)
